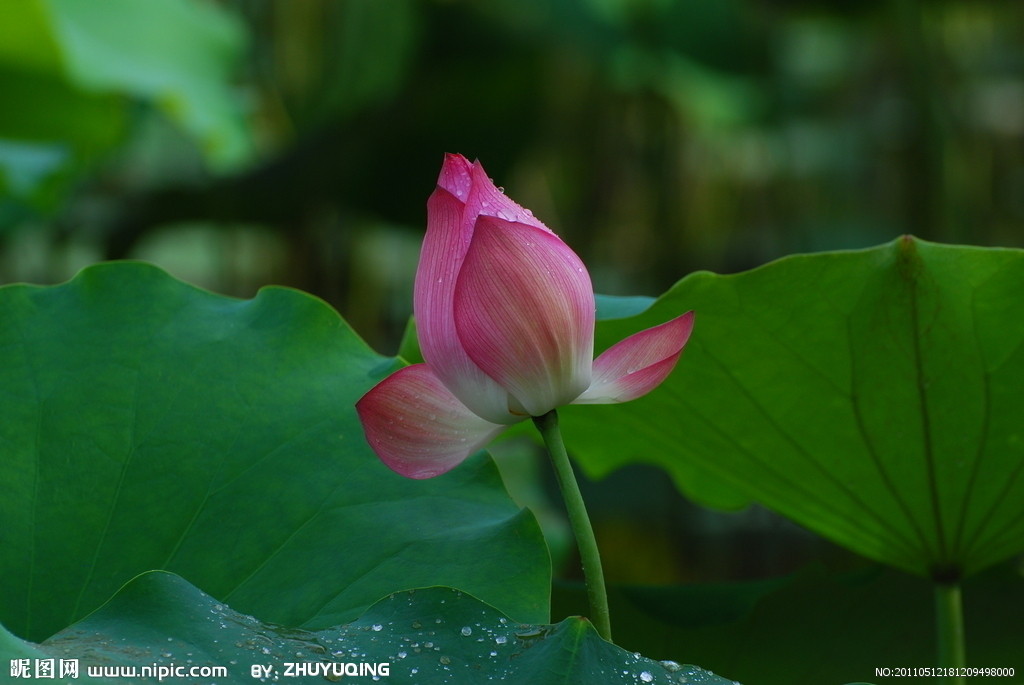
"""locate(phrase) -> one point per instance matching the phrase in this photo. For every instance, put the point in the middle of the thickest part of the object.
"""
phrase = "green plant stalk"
(949, 619)
(590, 558)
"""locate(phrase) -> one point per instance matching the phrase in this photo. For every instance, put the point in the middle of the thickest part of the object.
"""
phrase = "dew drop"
(445, 660)
(529, 632)
(501, 639)
(466, 630)
(377, 627)
(646, 676)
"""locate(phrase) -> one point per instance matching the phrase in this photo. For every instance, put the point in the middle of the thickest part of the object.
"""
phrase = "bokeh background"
(240, 143)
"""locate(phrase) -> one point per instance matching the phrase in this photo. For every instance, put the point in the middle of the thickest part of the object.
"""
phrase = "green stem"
(580, 522)
(949, 618)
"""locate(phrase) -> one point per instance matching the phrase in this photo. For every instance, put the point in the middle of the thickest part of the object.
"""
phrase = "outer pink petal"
(444, 248)
(635, 366)
(524, 312)
(417, 427)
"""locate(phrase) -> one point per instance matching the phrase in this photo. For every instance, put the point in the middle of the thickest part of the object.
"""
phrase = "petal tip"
(456, 175)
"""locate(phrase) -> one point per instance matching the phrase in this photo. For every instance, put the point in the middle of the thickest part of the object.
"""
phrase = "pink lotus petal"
(524, 312)
(635, 366)
(485, 199)
(444, 248)
(417, 427)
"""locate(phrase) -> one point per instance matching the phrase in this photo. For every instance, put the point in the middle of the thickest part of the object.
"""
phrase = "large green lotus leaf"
(874, 396)
(812, 626)
(431, 635)
(146, 424)
(13, 647)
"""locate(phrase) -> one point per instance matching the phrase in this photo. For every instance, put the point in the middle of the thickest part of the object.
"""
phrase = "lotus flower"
(505, 318)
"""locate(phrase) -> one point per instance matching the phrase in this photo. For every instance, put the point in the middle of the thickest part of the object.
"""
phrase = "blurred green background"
(248, 142)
